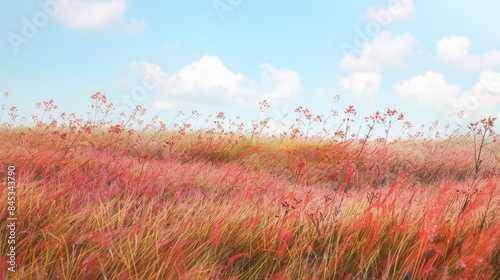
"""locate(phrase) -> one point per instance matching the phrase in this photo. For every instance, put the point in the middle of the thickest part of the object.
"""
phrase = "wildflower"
(221, 116)
(99, 97)
(391, 113)
(350, 110)
(490, 122)
(49, 105)
(140, 109)
(116, 128)
(263, 104)
(336, 98)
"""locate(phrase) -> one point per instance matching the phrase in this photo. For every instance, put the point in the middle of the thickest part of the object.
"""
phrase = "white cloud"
(430, 90)
(209, 81)
(362, 83)
(89, 14)
(483, 99)
(280, 86)
(398, 11)
(385, 49)
(455, 50)
(134, 26)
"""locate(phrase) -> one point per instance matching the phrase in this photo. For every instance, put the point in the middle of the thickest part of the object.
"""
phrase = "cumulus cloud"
(208, 80)
(483, 99)
(88, 14)
(398, 11)
(455, 50)
(362, 83)
(385, 49)
(432, 91)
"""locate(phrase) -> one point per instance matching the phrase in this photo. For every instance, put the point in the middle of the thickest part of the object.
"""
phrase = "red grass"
(119, 199)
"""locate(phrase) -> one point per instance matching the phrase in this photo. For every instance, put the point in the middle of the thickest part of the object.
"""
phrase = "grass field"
(97, 198)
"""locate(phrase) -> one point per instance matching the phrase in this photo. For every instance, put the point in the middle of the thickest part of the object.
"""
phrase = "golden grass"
(154, 204)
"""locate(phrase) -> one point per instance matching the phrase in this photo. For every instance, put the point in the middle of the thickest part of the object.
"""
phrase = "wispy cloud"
(385, 49)
(362, 83)
(89, 14)
(398, 11)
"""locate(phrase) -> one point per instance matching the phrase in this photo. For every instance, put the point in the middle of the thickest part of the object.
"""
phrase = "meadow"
(98, 197)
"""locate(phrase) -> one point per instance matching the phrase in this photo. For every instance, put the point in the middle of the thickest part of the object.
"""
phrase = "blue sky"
(428, 59)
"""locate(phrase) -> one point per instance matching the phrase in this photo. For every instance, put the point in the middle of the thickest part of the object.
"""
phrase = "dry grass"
(115, 202)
